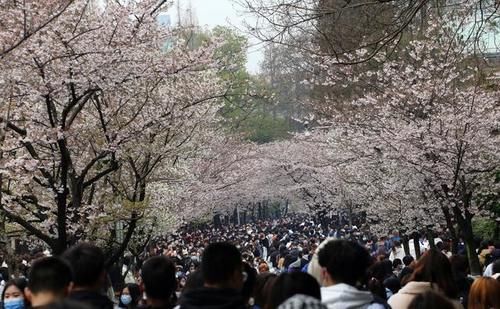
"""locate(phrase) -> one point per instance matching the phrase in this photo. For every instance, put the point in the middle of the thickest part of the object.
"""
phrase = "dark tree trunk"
(451, 229)
(416, 244)
(406, 245)
(430, 238)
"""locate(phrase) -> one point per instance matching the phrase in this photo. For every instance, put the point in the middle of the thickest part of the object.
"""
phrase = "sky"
(211, 13)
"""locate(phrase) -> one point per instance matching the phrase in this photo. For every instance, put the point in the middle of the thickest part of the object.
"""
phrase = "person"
(432, 272)
(249, 282)
(130, 296)
(495, 258)
(430, 300)
(495, 269)
(89, 275)
(460, 269)
(407, 269)
(263, 268)
(290, 284)
(158, 278)
(344, 264)
(13, 294)
(378, 273)
(397, 251)
(262, 289)
(50, 281)
(484, 294)
(222, 271)
(484, 253)
(397, 266)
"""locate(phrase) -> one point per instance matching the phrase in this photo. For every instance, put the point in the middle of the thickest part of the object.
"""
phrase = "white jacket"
(398, 253)
(344, 296)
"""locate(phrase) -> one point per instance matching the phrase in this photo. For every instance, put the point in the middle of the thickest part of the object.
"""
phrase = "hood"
(211, 298)
(414, 287)
(345, 296)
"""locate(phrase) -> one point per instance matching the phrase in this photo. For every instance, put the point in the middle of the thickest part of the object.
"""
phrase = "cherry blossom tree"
(420, 100)
(92, 104)
(433, 112)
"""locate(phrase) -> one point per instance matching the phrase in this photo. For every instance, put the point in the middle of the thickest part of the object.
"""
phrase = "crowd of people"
(293, 262)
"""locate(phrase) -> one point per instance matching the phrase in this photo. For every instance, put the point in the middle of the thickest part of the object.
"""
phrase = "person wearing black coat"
(223, 279)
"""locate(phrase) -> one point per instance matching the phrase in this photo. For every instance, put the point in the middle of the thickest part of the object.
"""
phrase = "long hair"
(484, 294)
(434, 267)
(20, 283)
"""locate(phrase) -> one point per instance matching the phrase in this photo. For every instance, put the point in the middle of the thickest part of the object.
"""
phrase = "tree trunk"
(470, 248)
(464, 220)
(416, 244)
(451, 229)
(430, 238)
(406, 245)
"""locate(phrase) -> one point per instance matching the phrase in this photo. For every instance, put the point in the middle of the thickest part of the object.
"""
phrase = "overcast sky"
(211, 13)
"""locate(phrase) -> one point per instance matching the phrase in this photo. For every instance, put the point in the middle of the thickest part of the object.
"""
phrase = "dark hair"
(194, 281)
(407, 260)
(377, 273)
(345, 261)
(459, 264)
(135, 293)
(249, 284)
(435, 267)
(393, 284)
(158, 276)
(290, 284)
(396, 263)
(49, 274)
(219, 262)
(20, 283)
(260, 293)
(87, 263)
(496, 267)
(430, 300)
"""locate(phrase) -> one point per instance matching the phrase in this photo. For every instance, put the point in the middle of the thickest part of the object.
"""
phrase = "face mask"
(14, 303)
(126, 299)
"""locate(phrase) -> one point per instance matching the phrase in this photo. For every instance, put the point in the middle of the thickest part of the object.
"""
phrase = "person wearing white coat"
(343, 264)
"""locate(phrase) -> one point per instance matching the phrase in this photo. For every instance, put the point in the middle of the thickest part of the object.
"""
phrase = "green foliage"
(484, 228)
(264, 129)
(247, 110)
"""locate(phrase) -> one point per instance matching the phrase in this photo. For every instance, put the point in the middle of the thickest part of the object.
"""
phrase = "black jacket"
(64, 304)
(92, 299)
(211, 298)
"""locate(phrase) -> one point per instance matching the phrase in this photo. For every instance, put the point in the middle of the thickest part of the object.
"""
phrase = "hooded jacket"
(211, 298)
(404, 297)
(344, 296)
